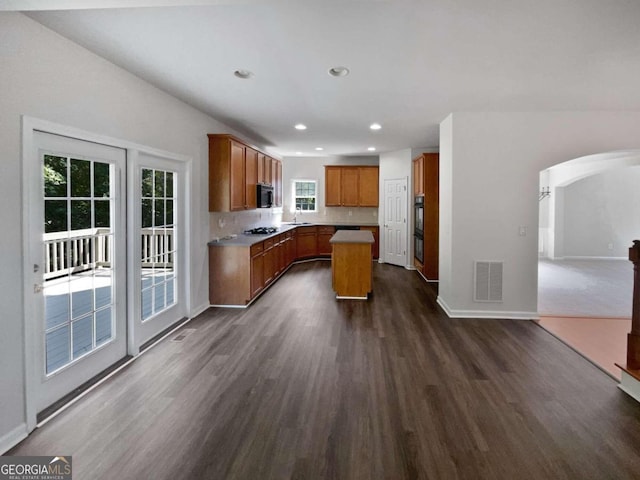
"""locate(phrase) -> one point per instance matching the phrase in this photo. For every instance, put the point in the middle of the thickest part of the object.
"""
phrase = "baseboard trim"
(425, 278)
(12, 438)
(199, 310)
(581, 257)
(630, 386)
(486, 314)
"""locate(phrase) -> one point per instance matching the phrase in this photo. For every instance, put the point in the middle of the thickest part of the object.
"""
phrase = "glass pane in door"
(78, 248)
(158, 243)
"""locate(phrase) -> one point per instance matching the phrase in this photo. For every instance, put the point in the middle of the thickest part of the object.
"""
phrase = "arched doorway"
(589, 214)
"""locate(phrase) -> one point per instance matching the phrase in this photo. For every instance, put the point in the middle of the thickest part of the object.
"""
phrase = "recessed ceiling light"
(298, 153)
(372, 149)
(375, 126)
(244, 74)
(339, 71)
(300, 126)
(319, 149)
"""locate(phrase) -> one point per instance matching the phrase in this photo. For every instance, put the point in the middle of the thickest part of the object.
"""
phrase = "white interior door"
(159, 274)
(77, 247)
(395, 221)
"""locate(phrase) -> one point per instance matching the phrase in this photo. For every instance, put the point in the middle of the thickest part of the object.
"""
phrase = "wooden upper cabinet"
(261, 168)
(368, 186)
(267, 170)
(351, 186)
(237, 176)
(278, 184)
(418, 176)
(234, 171)
(251, 178)
(274, 171)
(350, 181)
(332, 186)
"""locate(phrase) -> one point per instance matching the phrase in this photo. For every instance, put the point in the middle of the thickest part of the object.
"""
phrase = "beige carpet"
(585, 288)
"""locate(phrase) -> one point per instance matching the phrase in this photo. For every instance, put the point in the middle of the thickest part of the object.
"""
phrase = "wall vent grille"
(488, 282)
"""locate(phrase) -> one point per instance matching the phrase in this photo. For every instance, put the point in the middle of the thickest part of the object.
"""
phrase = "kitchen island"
(243, 266)
(351, 264)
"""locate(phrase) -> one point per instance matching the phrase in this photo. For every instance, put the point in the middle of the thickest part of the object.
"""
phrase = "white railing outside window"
(81, 250)
(157, 247)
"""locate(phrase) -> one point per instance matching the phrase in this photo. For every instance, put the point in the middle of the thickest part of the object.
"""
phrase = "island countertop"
(352, 236)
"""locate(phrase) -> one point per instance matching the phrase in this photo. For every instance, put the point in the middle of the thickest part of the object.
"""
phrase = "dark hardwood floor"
(303, 386)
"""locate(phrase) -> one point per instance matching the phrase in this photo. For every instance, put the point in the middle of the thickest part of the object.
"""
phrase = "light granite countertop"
(352, 236)
(244, 240)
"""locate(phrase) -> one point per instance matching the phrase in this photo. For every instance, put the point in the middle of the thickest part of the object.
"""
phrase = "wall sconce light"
(544, 193)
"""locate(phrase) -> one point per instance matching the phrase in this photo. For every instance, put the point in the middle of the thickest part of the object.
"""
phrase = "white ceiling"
(411, 62)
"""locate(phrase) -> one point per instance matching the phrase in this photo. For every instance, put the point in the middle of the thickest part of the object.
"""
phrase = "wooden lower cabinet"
(307, 243)
(230, 275)
(375, 249)
(269, 262)
(291, 247)
(237, 274)
(280, 254)
(324, 235)
(257, 269)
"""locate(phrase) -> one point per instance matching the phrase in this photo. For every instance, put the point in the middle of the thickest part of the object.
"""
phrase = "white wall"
(557, 178)
(602, 214)
(45, 76)
(490, 164)
(312, 168)
(397, 165)
(445, 227)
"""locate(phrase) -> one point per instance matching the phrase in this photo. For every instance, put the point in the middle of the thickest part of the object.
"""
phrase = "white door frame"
(29, 126)
(144, 331)
(56, 384)
(408, 251)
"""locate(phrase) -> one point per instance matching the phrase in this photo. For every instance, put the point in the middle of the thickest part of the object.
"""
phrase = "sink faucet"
(295, 214)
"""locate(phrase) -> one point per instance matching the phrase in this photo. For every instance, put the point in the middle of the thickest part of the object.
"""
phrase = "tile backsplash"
(222, 224)
(229, 223)
(336, 215)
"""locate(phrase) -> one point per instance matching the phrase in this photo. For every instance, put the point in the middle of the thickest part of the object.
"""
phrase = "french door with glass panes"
(160, 250)
(78, 248)
(106, 257)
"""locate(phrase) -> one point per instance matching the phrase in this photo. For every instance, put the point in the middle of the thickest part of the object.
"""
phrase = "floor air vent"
(183, 334)
(488, 282)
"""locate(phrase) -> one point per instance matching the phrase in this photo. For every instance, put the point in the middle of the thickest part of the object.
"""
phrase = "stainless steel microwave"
(265, 196)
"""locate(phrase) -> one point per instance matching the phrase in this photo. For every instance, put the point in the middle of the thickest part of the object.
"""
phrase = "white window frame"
(294, 196)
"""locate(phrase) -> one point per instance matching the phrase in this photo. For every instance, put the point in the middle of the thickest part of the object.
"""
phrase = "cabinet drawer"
(326, 230)
(257, 248)
(268, 244)
(307, 230)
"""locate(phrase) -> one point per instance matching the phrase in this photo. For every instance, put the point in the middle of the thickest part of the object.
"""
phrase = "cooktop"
(261, 231)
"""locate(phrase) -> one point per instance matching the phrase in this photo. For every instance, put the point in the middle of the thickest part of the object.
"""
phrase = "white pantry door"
(395, 221)
(77, 247)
